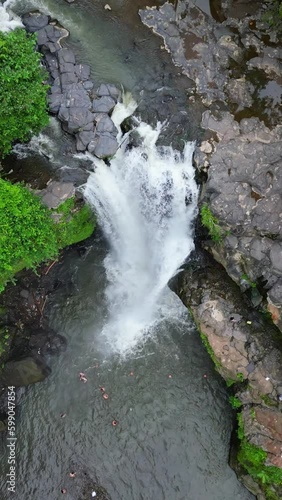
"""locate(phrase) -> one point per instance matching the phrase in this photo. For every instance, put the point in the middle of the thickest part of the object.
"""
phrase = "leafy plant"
(75, 224)
(27, 234)
(273, 15)
(253, 458)
(211, 223)
(22, 90)
(235, 402)
(240, 377)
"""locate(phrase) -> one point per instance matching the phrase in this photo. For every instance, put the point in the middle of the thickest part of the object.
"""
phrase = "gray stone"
(83, 139)
(82, 71)
(66, 56)
(35, 21)
(56, 193)
(105, 124)
(54, 101)
(78, 118)
(76, 96)
(276, 257)
(103, 105)
(88, 85)
(68, 79)
(108, 90)
(24, 372)
(66, 67)
(104, 145)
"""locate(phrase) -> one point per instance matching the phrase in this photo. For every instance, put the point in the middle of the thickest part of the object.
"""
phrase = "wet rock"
(108, 90)
(83, 139)
(76, 96)
(105, 124)
(49, 37)
(104, 145)
(83, 72)
(24, 371)
(35, 21)
(242, 342)
(66, 56)
(103, 105)
(56, 193)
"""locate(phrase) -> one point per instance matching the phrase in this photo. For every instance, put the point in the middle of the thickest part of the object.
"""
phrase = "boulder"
(104, 145)
(56, 193)
(49, 37)
(105, 124)
(66, 56)
(25, 371)
(108, 89)
(76, 96)
(82, 71)
(103, 105)
(35, 21)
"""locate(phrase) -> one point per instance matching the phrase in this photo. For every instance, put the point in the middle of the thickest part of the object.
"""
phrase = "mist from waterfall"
(145, 202)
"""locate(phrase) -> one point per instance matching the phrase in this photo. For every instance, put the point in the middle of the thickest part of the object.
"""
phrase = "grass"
(209, 349)
(211, 223)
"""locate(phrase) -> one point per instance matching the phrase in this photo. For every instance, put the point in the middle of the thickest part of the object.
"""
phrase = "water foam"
(8, 20)
(145, 203)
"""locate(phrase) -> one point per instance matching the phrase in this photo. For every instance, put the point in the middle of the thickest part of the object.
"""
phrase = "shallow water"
(174, 424)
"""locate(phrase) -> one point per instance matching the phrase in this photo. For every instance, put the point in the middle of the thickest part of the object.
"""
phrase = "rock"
(104, 145)
(103, 105)
(105, 124)
(108, 90)
(35, 21)
(107, 7)
(82, 71)
(76, 96)
(83, 139)
(56, 193)
(54, 102)
(68, 79)
(49, 37)
(66, 56)
(24, 372)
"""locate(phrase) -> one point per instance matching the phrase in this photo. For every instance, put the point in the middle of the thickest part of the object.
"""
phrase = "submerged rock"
(24, 372)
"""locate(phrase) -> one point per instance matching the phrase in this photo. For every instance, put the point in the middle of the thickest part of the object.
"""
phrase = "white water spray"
(145, 203)
(8, 20)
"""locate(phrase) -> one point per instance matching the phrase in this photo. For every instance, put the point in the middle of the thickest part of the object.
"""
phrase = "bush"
(22, 91)
(27, 234)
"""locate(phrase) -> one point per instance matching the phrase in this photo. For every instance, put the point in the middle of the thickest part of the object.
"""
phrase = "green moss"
(267, 400)
(211, 223)
(240, 377)
(235, 402)
(246, 278)
(208, 347)
(76, 223)
(253, 458)
(4, 340)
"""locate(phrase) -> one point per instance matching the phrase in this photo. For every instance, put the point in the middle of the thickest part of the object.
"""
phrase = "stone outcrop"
(24, 371)
(247, 351)
(243, 190)
(82, 111)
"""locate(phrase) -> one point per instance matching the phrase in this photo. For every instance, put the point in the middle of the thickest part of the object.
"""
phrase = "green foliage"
(246, 278)
(27, 234)
(22, 92)
(208, 347)
(240, 377)
(273, 14)
(75, 224)
(253, 458)
(235, 402)
(211, 223)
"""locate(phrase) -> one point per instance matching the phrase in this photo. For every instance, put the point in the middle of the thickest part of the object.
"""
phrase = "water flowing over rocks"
(82, 111)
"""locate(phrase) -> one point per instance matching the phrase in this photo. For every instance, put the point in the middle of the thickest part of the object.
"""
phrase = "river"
(173, 420)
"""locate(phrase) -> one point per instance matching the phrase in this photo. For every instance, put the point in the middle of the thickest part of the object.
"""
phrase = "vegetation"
(253, 458)
(208, 347)
(211, 223)
(75, 223)
(29, 235)
(22, 91)
(273, 14)
(235, 402)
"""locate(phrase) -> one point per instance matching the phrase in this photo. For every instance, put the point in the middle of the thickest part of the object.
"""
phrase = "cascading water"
(8, 20)
(145, 202)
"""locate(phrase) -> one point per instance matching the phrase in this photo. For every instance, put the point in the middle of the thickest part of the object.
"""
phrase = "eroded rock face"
(243, 191)
(247, 350)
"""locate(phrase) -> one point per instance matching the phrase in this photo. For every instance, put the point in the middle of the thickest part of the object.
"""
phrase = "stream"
(126, 331)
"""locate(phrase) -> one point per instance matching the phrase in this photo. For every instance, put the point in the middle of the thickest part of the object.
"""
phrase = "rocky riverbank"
(235, 63)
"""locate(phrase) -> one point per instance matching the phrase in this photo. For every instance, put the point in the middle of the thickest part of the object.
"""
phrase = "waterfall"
(8, 20)
(145, 202)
